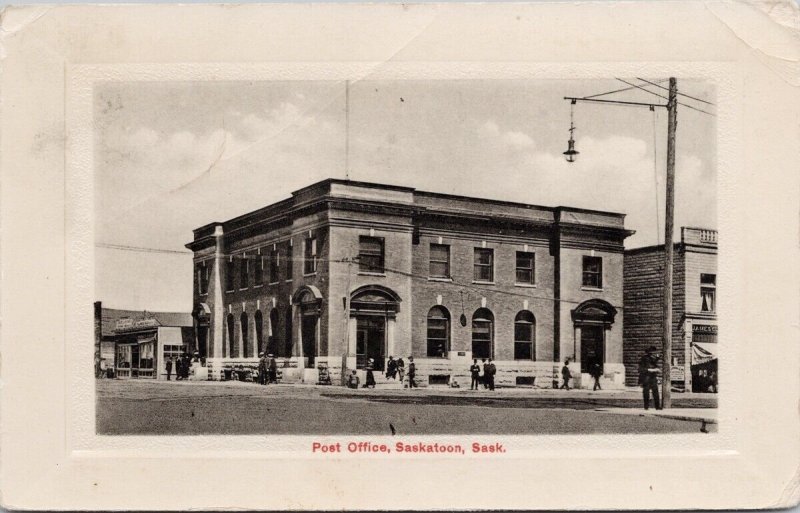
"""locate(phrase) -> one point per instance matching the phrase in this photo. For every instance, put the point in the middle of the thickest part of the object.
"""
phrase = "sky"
(173, 156)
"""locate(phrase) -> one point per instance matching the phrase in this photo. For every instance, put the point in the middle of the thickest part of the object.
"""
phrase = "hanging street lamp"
(571, 152)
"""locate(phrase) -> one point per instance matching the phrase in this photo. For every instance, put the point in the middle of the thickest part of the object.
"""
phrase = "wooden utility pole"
(666, 355)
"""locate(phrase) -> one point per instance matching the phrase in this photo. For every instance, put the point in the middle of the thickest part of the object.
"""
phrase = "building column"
(352, 334)
(391, 323)
(687, 356)
(217, 308)
(576, 342)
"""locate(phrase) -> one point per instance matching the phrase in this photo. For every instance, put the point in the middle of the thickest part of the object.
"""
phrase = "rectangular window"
(258, 276)
(526, 268)
(440, 261)
(202, 278)
(484, 264)
(593, 272)
(230, 269)
(437, 338)
(708, 292)
(289, 250)
(310, 263)
(244, 273)
(370, 254)
(274, 262)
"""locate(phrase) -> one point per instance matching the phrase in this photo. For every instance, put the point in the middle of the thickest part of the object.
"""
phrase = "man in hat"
(648, 377)
(262, 369)
(412, 372)
(169, 368)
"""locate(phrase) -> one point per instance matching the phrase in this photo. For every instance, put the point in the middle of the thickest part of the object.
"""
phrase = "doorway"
(309, 333)
(370, 341)
(592, 346)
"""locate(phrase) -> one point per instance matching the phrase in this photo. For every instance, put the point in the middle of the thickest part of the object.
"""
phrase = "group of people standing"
(595, 371)
(267, 369)
(182, 366)
(487, 378)
(394, 369)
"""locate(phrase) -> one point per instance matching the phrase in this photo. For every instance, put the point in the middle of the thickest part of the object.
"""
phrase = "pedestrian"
(412, 371)
(391, 368)
(169, 368)
(401, 369)
(492, 372)
(566, 375)
(485, 377)
(178, 369)
(648, 377)
(475, 371)
(262, 369)
(185, 365)
(370, 381)
(352, 380)
(596, 370)
(273, 368)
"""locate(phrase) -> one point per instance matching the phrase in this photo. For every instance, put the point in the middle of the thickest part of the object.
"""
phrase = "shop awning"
(703, 352)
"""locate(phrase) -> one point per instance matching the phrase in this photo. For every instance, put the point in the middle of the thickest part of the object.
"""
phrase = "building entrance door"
(370, 341)
(592, 347)
(309, 333)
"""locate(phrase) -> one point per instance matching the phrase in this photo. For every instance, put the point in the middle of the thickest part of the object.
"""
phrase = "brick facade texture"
(337, 213)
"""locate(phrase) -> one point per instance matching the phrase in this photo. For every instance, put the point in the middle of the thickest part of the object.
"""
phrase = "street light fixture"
(571, 152)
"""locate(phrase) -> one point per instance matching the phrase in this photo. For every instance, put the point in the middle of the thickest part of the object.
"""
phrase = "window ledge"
(483, 282)
(368, 273)
(258, 286)
(436, 278)
(274, 282)
(594, 289)
(526, 285)
(310, 274)
(288, 281)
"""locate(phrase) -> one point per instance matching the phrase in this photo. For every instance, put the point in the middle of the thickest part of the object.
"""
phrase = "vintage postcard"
(436, 256)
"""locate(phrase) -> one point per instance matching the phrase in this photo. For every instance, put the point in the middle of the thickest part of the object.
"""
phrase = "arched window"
(231, 336)
(438, 332)
(259, 320)
(524, 336)
(482, 333)
(272, 338)
(246, 344)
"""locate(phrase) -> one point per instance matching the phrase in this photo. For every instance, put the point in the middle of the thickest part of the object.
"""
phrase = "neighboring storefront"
(694, 313)
(135, 344)
(143, 347)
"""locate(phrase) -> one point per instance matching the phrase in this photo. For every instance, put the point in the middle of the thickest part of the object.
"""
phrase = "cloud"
(491, 133)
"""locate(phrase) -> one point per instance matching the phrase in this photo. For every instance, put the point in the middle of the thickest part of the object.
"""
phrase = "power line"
(643, 89)
(679, 94)
(123, 247)
(615, 91)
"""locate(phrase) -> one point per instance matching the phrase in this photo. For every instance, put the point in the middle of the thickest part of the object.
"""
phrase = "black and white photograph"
(406, 257)
(379, 257)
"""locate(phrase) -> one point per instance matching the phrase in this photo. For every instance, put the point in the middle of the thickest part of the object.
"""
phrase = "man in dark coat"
(475, 371)
(648, 377)
(169, 368)
(412, 371)
(262, 369)
(596, 370)
(273, 369)
(485, 377)
(566, 374)
(491, 373)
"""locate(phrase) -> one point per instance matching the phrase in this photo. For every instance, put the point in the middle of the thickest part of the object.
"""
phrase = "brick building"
(345, 271)
(694, 317)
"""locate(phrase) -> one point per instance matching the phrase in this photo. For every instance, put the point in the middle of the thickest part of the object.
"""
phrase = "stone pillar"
(390, 328)
(352, 330)
(576, 339)
(217, 308)
(687, 357)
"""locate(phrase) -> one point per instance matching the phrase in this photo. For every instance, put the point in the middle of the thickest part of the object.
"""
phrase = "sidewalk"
(708, 415)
